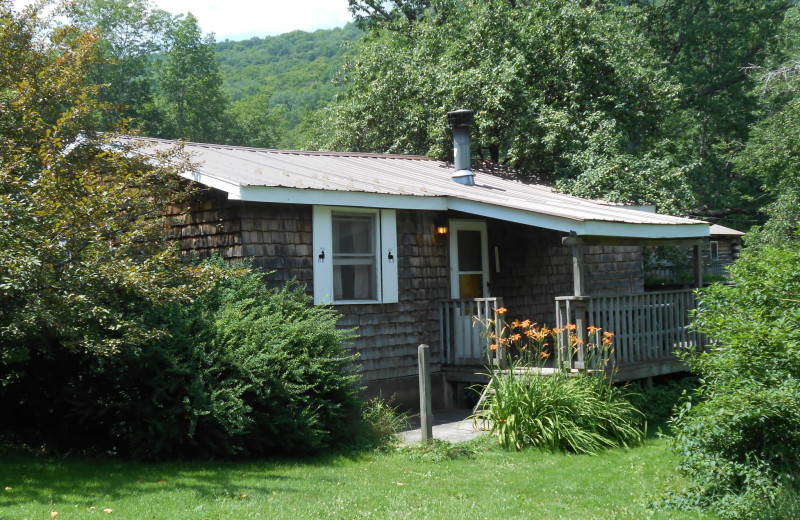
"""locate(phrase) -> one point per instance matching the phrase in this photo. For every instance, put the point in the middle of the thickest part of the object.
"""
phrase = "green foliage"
(380, 424)
(706, 46)
(129, 34)
(84, 218)
(561, 413)
(739, 444)
(571, 92)
(659, 401)
(772, 155)
(243, 370)
(191, 81)
(274, 368)
(278, 82)
(674, 260)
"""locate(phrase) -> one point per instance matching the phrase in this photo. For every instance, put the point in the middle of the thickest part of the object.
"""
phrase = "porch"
(650, 329)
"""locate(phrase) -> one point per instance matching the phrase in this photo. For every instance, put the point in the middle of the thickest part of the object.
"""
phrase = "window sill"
(356, 302)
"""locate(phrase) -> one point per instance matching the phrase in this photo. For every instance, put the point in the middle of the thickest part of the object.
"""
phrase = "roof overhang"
(576, 227)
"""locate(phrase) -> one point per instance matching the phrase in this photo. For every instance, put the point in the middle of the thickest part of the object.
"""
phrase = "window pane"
(354, 282)
(353, 234)
(354, 257)
(469, 285)
(469, 251)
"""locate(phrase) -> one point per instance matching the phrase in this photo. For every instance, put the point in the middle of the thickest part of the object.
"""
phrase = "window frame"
(384, 236)
(713, 251)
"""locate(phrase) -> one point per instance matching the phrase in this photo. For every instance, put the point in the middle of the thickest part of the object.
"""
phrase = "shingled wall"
(278, 239)
(535, 268)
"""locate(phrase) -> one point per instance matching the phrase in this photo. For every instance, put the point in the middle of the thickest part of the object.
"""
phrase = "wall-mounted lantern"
(440, 229)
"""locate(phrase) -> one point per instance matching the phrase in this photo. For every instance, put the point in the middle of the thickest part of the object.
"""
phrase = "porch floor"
(474, 374)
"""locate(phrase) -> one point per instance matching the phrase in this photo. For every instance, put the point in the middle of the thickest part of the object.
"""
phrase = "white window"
(713, 251)
(355, 255)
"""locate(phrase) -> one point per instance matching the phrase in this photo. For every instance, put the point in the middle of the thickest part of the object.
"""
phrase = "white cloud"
(239, 19)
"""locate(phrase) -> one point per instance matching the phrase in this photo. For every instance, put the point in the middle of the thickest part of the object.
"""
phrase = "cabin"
(409, 249)
(718, 253)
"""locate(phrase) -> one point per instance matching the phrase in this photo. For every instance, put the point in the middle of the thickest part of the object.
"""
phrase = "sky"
(242, 19)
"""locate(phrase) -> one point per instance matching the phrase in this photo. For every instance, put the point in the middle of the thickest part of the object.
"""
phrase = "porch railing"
(647, 327)
(464, 339)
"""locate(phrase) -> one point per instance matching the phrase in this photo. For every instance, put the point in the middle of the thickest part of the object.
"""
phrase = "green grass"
(489, 483)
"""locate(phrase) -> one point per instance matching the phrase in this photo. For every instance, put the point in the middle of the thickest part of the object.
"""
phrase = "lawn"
(484, 483)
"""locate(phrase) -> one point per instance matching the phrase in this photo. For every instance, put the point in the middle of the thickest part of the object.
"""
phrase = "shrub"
(739, 444)
(242, 370)
(276, 376)
(380, 424)
(659, 401)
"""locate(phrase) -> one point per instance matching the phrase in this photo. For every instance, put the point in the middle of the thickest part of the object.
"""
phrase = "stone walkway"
(448, 425)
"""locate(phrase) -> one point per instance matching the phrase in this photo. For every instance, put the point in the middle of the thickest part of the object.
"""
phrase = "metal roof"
(722, 231)
(413, 182)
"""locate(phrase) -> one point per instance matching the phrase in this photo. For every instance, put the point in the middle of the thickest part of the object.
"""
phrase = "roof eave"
(284, 195)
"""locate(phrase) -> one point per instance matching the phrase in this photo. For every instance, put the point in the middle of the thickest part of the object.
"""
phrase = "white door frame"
(468, 225)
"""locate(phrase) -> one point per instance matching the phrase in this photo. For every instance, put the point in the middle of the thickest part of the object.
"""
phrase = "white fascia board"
(341, 198)
(231, 188)
(581, 227)
(517, 215)
(435, 203)
(633, 230)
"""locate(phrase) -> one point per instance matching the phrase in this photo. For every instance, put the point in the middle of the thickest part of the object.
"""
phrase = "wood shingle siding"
(389, 334)
(535, 268)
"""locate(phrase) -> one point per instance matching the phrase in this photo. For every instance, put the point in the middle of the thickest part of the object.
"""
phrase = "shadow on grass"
(29, 477)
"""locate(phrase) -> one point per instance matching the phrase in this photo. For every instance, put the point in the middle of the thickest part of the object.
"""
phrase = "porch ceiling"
(411, 182)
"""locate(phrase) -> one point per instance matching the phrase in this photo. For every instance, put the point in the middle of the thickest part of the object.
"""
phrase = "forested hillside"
(285, 78)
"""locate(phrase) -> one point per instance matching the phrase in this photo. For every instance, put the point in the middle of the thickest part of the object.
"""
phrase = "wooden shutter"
(322, 255)
(389, 257)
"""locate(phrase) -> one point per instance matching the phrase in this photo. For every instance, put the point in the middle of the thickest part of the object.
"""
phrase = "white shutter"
(322, 255)
(389, 257)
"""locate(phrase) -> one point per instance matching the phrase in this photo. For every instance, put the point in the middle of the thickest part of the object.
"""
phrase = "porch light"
(440, 230)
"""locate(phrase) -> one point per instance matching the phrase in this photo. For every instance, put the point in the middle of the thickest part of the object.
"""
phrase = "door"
(469, 279)
(469, 259)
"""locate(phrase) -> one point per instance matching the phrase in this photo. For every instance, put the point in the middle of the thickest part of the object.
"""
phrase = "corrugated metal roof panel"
(398, 175)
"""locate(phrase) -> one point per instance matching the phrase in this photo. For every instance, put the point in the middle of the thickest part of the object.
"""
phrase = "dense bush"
(658, 401)
(242, 370)
(276, 375)
(739, 444)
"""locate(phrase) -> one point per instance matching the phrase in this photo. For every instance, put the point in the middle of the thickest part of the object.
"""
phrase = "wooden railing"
(647, 327)
(464, 339)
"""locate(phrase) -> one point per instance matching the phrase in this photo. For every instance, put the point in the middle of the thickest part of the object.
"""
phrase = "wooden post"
(698, 266)
(425, 411)
(577, 270)
(580, 332)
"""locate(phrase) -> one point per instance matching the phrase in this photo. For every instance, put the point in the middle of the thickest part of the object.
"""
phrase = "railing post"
(580, 326)
(501, 353)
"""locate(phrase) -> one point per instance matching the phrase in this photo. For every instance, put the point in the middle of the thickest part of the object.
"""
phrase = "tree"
(771, 155)
(399, 15)
(129, 33)
(191, 81)
(708, 45)
(569, 91)
(84, 218)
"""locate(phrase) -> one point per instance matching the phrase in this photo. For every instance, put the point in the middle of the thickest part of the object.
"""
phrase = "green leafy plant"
(555, 409)
(381, 422)
(738, 445)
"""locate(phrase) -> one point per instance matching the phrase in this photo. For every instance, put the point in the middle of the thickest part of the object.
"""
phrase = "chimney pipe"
(460, 121)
